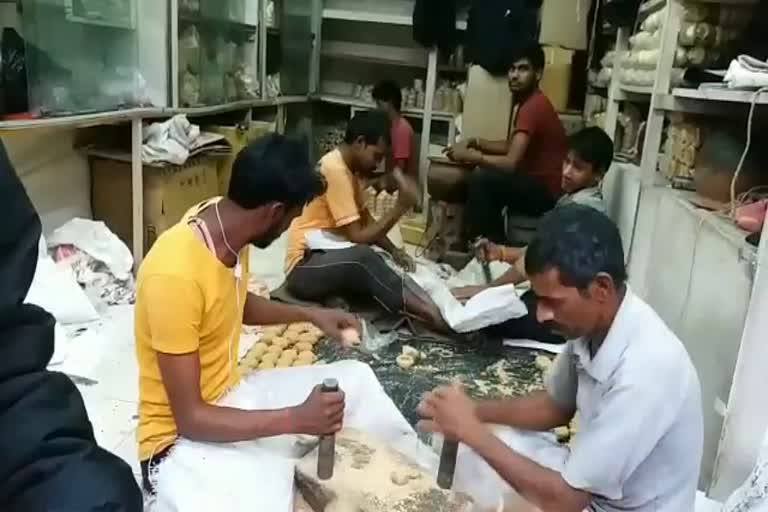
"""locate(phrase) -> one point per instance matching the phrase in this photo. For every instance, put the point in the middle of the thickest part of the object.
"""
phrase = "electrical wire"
(747, 147)
(238, 274)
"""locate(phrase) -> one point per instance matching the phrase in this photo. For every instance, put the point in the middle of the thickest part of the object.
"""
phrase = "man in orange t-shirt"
(523, 172)
(354, 270)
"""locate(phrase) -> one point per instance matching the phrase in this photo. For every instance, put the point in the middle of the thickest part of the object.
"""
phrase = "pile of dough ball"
(409, 357)
(283, 346)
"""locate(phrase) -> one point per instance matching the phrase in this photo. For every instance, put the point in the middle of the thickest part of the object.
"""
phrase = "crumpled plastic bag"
(95, 239)
(170, 141)
(752, 496)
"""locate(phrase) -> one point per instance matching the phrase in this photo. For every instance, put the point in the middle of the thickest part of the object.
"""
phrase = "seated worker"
(590, 153)
(192, 300)
(358, 271)
(521, 173)
(625, 375)
(389, 100)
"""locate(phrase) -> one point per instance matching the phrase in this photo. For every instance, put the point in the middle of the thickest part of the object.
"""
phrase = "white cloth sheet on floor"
(490, 307)
(258, 475)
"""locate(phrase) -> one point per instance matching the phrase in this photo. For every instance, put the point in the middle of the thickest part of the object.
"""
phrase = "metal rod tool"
(486, 265)
(447, 464)
(326, 455)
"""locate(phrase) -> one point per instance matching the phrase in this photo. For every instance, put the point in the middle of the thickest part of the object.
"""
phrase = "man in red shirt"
(523, 172)
(389, 99)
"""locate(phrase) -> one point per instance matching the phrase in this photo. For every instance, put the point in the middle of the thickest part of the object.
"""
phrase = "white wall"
(9, 17)
(689, 267)
(621, 190)
(57, 177)
(747, 414)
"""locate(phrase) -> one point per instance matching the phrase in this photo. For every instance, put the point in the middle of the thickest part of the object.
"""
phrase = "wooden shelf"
(83, 20)
(80, 120)
(649, 7)
(721, 94)
(644, 90)
(709, 101)
(219, 25)
(378, 54)
(364, 105)
(121, 116)
(388, 12)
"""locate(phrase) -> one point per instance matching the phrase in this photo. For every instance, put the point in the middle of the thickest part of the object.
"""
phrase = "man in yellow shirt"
(356, 271)
(192, 301)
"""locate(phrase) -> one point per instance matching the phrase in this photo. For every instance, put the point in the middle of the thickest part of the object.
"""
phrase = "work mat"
(513, 373)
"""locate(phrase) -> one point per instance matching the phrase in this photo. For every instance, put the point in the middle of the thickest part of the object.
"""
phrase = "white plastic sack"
(95, 239)
(472, 274)
(55, 289)
(202, 477)
(489, 307)
(480, 481)
(258, 475)
(752, 496)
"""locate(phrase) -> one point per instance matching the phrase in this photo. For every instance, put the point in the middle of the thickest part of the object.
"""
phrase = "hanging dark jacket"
(498, 29)
(434, 24)
(49, 459)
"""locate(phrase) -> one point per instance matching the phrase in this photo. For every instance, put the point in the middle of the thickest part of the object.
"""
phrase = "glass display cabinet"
(82, 56)
(218, 42)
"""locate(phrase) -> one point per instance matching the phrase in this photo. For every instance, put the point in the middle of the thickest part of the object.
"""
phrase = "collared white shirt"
(592, 197)
(640, 438)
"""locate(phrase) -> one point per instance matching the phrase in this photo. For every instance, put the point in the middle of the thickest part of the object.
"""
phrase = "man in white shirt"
(625, 374)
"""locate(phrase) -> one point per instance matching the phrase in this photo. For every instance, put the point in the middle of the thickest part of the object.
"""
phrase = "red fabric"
(548, 144)
(402, 143)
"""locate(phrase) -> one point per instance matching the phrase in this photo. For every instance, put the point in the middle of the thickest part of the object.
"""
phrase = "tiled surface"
(112, 403)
